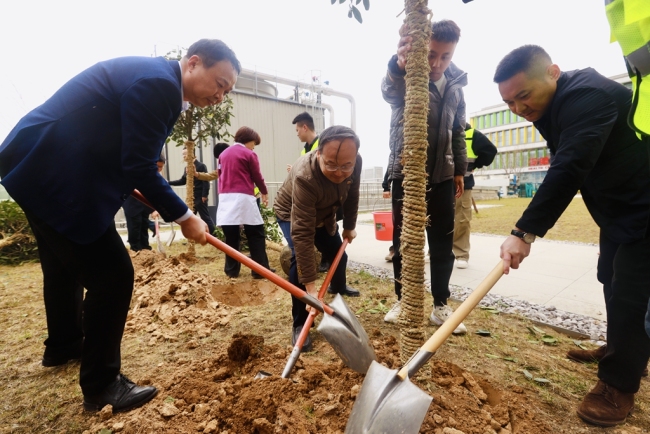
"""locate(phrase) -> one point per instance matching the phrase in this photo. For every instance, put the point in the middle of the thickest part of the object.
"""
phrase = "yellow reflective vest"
(314, 146)
(629, 21)
(469, 135)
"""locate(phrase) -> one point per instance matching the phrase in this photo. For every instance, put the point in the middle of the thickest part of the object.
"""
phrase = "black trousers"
(628, 345)
(440, 235)
(137, 227)
(256, 244)
(94, 322)
(608, 249)
(329, 246)
(201, 208)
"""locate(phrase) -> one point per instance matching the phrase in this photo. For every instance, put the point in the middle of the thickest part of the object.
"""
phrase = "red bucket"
(383, 225)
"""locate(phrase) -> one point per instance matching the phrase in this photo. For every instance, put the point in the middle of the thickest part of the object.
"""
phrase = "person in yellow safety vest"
(306, 132)
(480, 153)
(629, 21)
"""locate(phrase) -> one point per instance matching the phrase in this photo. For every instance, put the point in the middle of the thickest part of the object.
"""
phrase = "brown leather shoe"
(606, 405)
(593, 356)
(588, 356)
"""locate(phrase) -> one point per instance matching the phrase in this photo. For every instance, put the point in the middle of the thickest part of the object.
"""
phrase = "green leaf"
(492, 356)
(373, 311)
(528, 374)
(357, 14)
(483, 332)
(366, 4)
(539, 330)
(532, 331)
(510, 359)
(548, 339)
(541, 380)
(169, 399)
(359, 311)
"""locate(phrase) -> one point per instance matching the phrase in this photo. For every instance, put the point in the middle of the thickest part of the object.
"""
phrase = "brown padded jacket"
(309, 200)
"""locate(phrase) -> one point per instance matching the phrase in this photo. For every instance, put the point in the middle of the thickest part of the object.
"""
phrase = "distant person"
(201, 191)
(385, 185)
(306, 132)
(239, 173)
(70, 163)
(583, 117)
(480, 153)
(214, 175)
(446, 160)
(137, 215)
(305, 206)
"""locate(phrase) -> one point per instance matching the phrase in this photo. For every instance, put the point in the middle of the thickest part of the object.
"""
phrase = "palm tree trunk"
(415, 178)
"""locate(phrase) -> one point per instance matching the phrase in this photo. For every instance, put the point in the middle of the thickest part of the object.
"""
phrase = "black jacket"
(201, 188)
(595, 151)
(485, 152)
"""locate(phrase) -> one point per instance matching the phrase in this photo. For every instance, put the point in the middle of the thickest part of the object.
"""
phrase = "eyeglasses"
(345, 168)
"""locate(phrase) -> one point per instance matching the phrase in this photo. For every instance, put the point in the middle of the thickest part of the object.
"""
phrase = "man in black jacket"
(583, 117)
(201, 190)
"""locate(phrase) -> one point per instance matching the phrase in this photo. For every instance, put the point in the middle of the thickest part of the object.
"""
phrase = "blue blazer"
(76, 158)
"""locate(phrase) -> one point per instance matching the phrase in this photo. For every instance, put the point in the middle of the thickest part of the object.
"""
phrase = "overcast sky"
(48, 42)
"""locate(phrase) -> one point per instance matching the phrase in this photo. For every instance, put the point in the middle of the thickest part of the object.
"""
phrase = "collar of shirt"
(184, 105)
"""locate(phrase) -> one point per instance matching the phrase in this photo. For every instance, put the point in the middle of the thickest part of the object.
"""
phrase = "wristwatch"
(525, 236)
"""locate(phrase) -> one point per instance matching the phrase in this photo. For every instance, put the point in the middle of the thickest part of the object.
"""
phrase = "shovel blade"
(346, 335)
(387, 404)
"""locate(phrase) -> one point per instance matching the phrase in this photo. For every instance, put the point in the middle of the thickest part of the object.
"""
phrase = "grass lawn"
(575, 224)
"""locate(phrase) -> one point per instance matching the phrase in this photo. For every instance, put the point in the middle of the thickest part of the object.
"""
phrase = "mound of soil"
(218, 392)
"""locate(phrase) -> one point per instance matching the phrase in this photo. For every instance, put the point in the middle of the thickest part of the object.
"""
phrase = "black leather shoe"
(123, 394)
(307, 345)
(51, 360)
(259, 276)
(323, 267)
(347, 291)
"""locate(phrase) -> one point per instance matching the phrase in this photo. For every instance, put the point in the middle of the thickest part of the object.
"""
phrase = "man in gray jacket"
(318, 184)
(446, 159)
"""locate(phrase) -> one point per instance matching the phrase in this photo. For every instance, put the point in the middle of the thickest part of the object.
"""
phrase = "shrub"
(17, 242)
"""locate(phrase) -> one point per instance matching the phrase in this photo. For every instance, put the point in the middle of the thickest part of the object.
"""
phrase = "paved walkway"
(558, 274)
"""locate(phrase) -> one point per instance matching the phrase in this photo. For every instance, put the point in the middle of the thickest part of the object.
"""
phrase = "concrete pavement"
(560, 274)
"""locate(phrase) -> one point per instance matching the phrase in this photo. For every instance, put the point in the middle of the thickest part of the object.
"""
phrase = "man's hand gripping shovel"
(388, 402)
(339, 325)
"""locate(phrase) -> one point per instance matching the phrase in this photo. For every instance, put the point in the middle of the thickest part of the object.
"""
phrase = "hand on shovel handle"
(295, 353)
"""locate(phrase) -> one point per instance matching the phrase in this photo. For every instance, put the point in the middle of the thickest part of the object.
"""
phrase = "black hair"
(445, 31)
(522, 59)
(219, 148)
(212, 51)
(161, 158)
(304, 118)
(339, 133)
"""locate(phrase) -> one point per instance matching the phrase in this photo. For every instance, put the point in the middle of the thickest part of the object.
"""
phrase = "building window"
(499, 139)
(529, 131)
(525, 156)
(493, 119)
(480, 122)
(522, 136)
(506, 138)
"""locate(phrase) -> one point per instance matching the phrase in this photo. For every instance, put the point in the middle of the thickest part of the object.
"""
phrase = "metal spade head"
(346, 335)
(387, 404)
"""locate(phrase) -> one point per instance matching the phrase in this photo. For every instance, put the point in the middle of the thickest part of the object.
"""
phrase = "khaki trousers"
(462, 225)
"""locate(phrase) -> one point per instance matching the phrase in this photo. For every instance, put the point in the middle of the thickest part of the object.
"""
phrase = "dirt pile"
(217, 393)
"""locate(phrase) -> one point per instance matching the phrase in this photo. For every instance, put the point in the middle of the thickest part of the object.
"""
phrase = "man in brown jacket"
(318, 184)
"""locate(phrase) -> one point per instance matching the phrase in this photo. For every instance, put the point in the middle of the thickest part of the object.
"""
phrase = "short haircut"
(219, 148)
(445, 31)
(212, 51)
(161, 158)
(523, 59)
(304, 118)
(338, 133)
(247, 134)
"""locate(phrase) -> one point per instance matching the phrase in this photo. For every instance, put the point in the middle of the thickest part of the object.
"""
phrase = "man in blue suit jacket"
(70, 164)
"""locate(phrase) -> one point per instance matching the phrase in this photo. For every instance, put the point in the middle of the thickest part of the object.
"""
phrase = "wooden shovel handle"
(448, 327)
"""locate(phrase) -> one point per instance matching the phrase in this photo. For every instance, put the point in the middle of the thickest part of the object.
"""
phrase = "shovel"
(159, 245)
(293, 358)
(171, 235)
(388, 402)
(339, 325)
